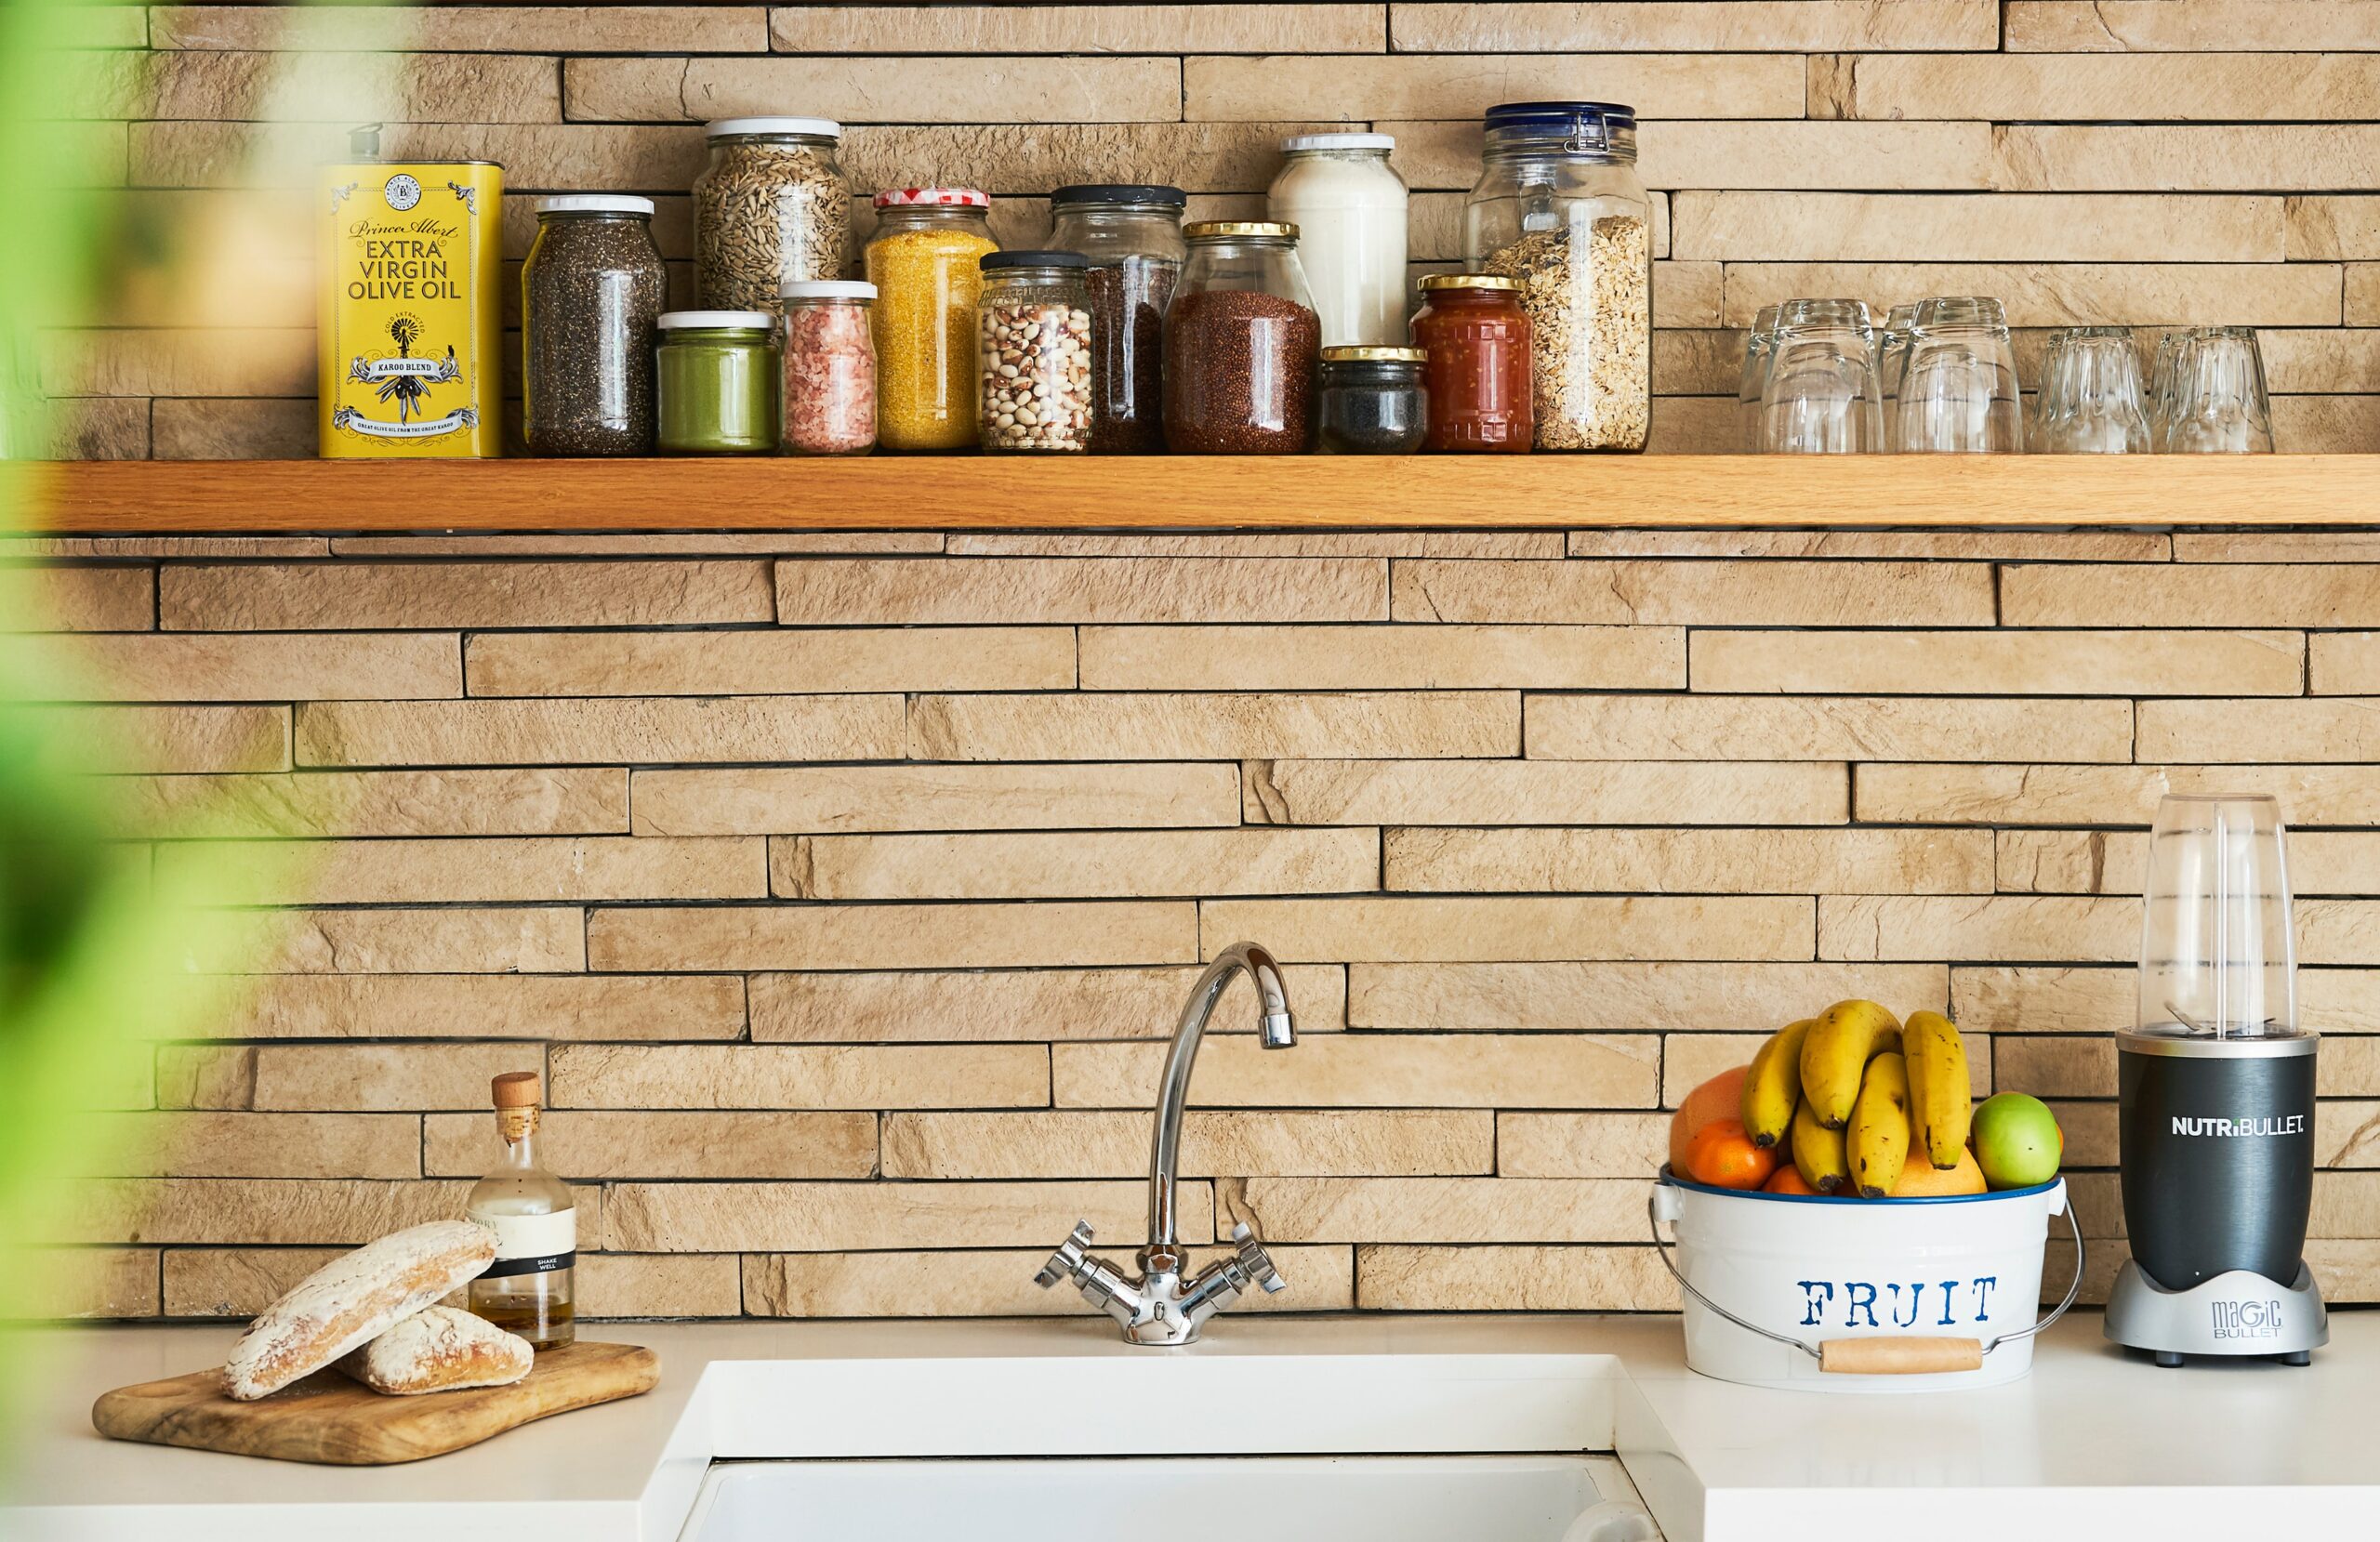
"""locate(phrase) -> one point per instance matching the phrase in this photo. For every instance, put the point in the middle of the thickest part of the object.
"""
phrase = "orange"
(1921, 1180)
(1720, 1098)
(1788, 1179)
(1722, 1154)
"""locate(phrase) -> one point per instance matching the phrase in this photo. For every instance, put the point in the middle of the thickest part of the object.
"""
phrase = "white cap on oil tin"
(594, 202)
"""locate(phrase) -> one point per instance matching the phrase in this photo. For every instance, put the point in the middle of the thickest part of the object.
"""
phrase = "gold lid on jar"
(1219, 230)
(1350, 353)
(1468, 281)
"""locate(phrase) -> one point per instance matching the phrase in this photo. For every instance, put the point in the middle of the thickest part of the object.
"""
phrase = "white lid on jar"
(817, 128)
(1297, 142)
(827, 289)
(674, 321)
(594, 202)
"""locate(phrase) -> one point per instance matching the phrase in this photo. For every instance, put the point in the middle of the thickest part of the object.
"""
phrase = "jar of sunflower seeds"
(1559, 207)
(772, 207)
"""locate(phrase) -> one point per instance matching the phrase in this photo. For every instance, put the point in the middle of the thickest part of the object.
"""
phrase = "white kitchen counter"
(2091, 1445)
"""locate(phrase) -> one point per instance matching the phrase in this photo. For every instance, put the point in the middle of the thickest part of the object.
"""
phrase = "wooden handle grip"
(1899, 1356)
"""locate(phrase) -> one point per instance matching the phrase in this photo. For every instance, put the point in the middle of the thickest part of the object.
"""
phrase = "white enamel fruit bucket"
(1861, 1295)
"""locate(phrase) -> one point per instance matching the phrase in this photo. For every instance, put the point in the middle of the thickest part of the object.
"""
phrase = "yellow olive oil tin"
(411, 327)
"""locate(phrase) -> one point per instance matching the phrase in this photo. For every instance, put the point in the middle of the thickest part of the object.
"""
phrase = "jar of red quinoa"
(829, 391)
(1241, 339)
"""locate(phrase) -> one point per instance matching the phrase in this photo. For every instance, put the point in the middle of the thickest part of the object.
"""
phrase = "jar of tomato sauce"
(1478, 373)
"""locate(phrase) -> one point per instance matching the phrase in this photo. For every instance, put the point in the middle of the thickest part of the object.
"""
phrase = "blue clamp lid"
(1560, 117)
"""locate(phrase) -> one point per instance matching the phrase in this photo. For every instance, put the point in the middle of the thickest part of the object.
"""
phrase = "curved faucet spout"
(1275, 1030)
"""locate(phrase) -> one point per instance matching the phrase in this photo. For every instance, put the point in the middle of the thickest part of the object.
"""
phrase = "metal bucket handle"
(1875, 1354)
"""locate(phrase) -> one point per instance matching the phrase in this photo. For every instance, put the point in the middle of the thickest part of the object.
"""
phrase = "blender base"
(2240, 1312)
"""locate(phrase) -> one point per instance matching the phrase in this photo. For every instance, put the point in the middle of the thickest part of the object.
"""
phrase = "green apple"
(2016, 1141)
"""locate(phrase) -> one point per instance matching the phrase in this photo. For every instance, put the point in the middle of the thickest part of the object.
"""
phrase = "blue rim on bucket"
(1668, 1176)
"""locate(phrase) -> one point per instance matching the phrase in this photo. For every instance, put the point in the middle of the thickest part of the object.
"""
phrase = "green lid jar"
(718, 379)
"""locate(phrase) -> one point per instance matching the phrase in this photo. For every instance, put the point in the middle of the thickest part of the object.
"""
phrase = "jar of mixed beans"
(770, 206)
(590, 292)
(1371, 400)
(829, 383)
(1034, 321)
(718, 382)
(1240, 343)
(924, 260)
(1478, 341)
(1132, 235)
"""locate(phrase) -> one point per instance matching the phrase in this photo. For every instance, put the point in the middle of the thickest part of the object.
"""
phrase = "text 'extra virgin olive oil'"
(411, 327)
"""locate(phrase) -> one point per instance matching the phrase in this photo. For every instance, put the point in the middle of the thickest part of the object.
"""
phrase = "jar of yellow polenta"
(922, 260)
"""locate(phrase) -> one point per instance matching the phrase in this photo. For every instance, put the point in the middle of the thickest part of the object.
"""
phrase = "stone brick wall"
(844, 886)
(2120, 162)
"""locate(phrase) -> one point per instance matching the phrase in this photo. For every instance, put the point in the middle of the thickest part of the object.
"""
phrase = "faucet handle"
(1068, 1262)
(1258, 1262)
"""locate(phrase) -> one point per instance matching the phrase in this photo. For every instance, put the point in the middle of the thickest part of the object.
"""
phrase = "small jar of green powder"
(718, 383)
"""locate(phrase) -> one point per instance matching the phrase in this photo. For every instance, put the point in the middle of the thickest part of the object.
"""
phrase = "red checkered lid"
(896, 198)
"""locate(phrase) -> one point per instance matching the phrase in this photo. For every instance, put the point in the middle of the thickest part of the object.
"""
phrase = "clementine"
(1720, 1098)
(1788, 1179)
(1722, 1155)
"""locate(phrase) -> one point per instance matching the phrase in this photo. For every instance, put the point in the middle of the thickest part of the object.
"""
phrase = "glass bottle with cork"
(527, 1289)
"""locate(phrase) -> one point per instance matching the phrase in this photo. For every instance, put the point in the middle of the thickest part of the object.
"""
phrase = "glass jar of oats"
(1559, 207)
(771, 206)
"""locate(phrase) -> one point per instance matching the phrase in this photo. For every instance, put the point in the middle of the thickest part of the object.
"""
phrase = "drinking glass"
(2160, 387)
(1821, 397)
(1958, 391)
(1892, 354)
(2090, 396)
(2219, 405)
(1753, 377)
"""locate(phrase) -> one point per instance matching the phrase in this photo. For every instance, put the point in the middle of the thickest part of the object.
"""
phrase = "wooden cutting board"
(327, 1417)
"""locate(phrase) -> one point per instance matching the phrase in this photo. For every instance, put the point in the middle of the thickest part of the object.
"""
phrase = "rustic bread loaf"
(352, 1300)
(436, 1348)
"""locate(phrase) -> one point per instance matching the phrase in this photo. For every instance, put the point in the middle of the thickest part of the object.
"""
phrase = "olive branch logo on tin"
(404, 380)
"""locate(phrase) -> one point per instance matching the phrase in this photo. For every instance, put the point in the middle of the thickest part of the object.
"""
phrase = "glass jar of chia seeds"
(1240, 343)
(1559, 206)
(1371, 400)
(1033, 321)
(718, 382)
(590, 292)
(1132, 234)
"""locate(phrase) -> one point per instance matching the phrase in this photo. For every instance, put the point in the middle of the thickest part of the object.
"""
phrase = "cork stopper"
(515, 1090)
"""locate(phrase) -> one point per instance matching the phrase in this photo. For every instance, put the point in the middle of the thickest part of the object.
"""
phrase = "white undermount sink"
(1158, 1499)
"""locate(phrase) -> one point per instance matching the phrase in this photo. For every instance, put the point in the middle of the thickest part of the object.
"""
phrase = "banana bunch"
(1855, 1094)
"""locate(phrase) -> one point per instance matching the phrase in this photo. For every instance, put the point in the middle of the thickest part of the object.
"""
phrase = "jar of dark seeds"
(771, 206)
(590, 292)
(1132, 234)
(1240, 340)
(1370, 402)
(1033, 325)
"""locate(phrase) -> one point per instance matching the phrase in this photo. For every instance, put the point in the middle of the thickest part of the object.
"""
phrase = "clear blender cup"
(2216, 1078)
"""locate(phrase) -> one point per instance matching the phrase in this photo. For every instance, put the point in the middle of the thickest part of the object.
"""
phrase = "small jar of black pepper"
(1240, 343)
(1372, 402)
(591, 290)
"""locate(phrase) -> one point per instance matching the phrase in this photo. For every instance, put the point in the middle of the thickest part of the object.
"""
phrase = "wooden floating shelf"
(1187, 492)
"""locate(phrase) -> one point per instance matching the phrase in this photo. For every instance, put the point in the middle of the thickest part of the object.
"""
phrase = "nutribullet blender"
(2216, 1086)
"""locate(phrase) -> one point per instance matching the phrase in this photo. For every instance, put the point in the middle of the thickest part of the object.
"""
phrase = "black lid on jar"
(990, 261)
(1153, 194)
(1559, 117)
